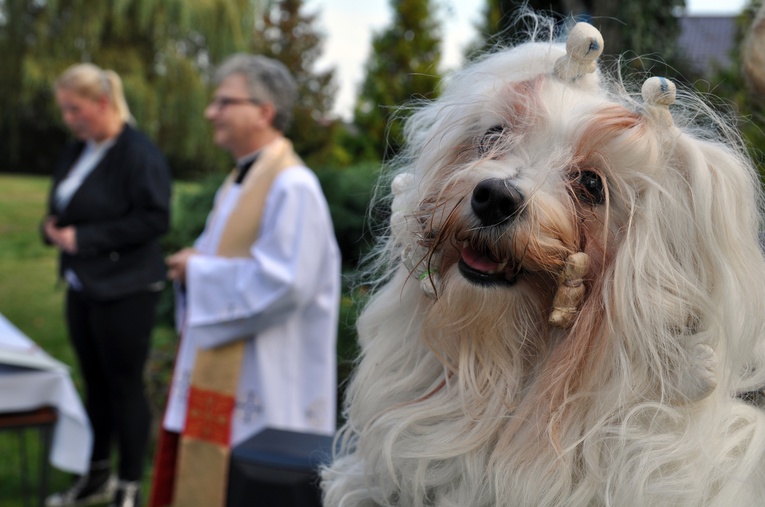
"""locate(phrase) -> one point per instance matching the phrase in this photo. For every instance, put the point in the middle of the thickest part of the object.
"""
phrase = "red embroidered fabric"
(209, 416)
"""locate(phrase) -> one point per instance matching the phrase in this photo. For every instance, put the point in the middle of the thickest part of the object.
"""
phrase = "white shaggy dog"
(574, 294)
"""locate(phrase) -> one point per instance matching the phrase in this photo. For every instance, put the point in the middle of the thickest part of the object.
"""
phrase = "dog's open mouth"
(478, 267)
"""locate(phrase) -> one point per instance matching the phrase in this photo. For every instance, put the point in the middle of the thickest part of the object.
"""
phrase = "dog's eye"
(590, 188)
(490, 138)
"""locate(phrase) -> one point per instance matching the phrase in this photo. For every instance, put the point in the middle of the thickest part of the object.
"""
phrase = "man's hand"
(176, 264)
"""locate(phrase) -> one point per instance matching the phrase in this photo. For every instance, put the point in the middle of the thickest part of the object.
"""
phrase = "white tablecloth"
(30, 379)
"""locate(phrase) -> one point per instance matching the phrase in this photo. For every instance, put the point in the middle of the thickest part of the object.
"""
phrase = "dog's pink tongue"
(478, 261)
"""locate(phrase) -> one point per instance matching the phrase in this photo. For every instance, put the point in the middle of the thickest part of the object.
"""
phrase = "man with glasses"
(257, 295)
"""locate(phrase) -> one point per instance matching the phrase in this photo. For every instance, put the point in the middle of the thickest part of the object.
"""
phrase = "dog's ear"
(687, 277)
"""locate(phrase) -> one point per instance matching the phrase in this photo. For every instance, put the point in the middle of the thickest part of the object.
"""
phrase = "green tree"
(499, 27)
(287, 33)
(731, 88)
(644, 31)
(403, 66)
(160, 48)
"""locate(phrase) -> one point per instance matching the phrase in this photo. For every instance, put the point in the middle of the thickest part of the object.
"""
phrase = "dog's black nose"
(495, 200)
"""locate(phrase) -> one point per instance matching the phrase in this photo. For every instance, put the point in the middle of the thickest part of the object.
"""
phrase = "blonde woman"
(108, 207)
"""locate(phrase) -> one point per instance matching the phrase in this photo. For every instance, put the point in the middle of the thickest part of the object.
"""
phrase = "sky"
(349, 25)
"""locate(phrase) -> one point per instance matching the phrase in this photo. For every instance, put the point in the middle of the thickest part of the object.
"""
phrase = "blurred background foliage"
(166, 50)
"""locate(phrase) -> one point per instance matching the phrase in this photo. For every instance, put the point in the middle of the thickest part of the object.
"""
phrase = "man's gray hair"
(267, 80)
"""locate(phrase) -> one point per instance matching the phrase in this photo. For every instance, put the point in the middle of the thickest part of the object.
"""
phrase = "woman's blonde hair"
(91, 81)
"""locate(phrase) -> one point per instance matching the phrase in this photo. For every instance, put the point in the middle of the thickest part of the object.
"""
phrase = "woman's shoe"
(128, 494)
(94, 487)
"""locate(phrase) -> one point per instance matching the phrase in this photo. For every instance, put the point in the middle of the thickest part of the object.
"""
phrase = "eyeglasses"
(221, 103)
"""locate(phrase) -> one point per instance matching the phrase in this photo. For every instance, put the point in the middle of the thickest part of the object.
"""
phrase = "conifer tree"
(634, 28)
(403, 67)
(499, 27)
(286, 32)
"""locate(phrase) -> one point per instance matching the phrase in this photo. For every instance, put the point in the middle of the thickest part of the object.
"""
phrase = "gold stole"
(205, 447)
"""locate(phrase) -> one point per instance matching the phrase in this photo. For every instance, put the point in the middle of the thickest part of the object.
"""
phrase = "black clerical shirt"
(244, 166)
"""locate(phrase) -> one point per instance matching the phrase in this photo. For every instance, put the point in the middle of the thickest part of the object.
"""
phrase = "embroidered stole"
(205, 447)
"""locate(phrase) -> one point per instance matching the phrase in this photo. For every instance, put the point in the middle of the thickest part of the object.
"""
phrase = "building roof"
(707, 41)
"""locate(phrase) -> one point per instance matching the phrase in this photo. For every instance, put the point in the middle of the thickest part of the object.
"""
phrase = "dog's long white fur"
(472, 399)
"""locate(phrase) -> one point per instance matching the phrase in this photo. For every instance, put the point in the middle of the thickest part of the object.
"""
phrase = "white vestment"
(284, 301)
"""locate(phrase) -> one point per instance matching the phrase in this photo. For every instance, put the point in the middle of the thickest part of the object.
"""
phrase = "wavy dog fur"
(471, 398)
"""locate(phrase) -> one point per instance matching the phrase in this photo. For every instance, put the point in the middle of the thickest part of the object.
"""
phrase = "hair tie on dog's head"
(570, 291)
(584, 46)
(658, 94)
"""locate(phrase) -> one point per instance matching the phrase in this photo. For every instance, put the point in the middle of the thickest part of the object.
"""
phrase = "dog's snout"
(496, 200)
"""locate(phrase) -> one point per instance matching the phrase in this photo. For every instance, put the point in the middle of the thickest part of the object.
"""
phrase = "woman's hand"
(63, 237)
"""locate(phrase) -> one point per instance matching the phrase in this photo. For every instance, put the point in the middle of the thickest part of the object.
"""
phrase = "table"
(42, 420)
(31, 379)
